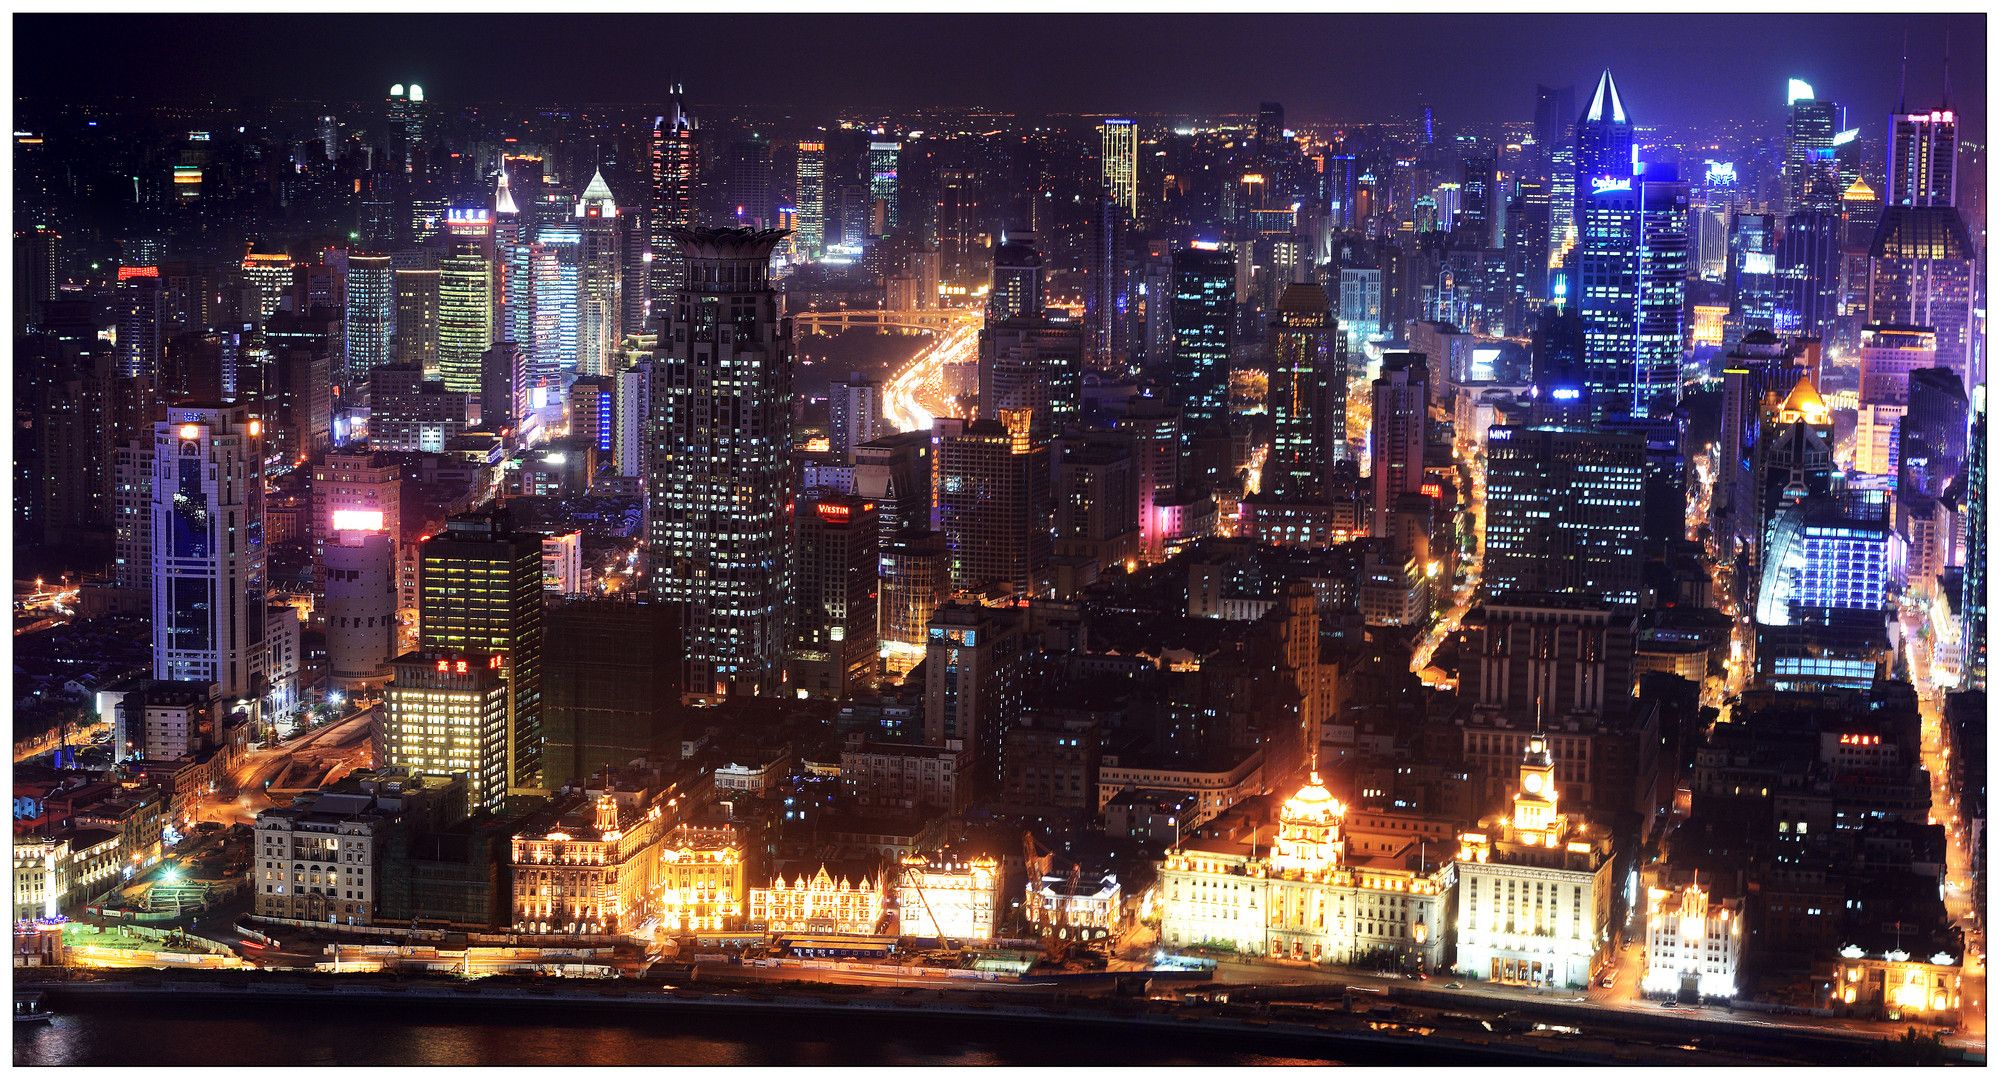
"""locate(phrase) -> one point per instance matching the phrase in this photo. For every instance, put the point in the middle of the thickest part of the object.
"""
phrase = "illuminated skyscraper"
(371, 304)
(676, 172)
(1606, 291)
(1119, 161)
(1974, 600)
(1034, 365)
(1307, 397)
(993, 504)
(1923, 159)
(1396, 441)
(1563, 511)
(1664, 251)
(882, 181)
(209, 606)
(465, 318)
(406, 128)
(1204, 320)
(416, 336)
(855, 414)
(1922, 267)
(555, 268)
(720, 485)
(600, 261)
(812, 199)
(1812, 180)
(1017, 278)
(480, 590)
(833, 650)
(1603, 145)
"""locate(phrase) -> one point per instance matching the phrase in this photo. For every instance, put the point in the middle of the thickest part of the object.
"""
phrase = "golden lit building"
(841, 901)
(447, 713)
(591, 867)
(1693, 944)
(1892, 985)
(1707, 328)
(949, 898)
(702, 884)
(1534, 890)
(1301, 895)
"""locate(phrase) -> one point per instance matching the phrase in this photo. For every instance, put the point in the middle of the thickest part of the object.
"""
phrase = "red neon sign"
(834, 512)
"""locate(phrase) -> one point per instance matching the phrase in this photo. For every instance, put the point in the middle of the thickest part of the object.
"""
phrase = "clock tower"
(1535, 802)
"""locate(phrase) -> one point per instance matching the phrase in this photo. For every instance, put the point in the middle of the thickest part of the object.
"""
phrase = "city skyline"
(1332, 68)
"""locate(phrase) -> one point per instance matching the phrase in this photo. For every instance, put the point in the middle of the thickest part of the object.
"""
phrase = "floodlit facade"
(1694, 944)
(447, 713)
(947, 898)
(818, 901)
(702, 882)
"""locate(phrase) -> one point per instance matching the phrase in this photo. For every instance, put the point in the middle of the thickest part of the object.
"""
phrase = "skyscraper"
(1118, 142)
(1812, 181)
(993, 504)
(1563, 511)
(749, 182)
(1396, 443)
(465, 318)
(1922, 267)
(1307, 396)
(811, 183)
(1016, 291)
(1204, 320)
(371, 303)
(676, 170)
(480, 592)
(1035, 365)
(209, 607)
(1603, 144)
(720, 484)
(1555, 115)
(1923, 159)
(1270, 129)
(1606, 291)
(1664, 251)
(855, 414)
(833, 651)
(883, 184)
(600, 304)
(415, 340)
(1974, 599)
(975, 682)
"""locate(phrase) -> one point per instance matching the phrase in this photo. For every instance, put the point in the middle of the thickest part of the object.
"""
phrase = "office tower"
(748, 176)
(855, 409)
(415, 340)
(811, 197)
(915, 579)
(1716, 203)
(882, 185)
(1555, 113)
(556, 265)
(720, 498)
(1922, 267)
(360, 612)
(1860, 215)
(1878, 438)
(1118, 156)
(895, 472)
(1888, 355)
(1809, 273)
(1106, 296)
(1527, 244)
(600, 304)
(612, 684)
(993, 504)
(1662, 295)
(676, 173)
(635, 411)
(142, 316)
(1096, 499)
(1204, 319)
(480, 592)
(209, 558)
(635, 264)
(1156, 449)
(1826, 553)
(447, 714)
(1603, 147)
(503, 387)
(371, 302)
(1753, 276)
(1307, 396)
(132, 517)
(1811, 180)
(1017, 278)
(1478, 199)
(1398, 433)
(1760, 363)
(1973, 601)
(1270, 133)
(465, 319)
(1606, 290)
(1933, 432)
(1034, 365)
(974, 683)
(1563, 511)
(353, 490)
(1923, 159)
(592, 413)
(407, 129)
(37, 270)
(836, 559)
(408, 412)
(1361, 302)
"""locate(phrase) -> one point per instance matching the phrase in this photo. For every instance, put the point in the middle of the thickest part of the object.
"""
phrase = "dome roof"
(1313, 805)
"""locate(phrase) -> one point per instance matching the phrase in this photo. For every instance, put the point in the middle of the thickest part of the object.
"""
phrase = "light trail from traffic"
(915, 395)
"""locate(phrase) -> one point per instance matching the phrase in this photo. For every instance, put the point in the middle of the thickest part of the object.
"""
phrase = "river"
(347, 1034)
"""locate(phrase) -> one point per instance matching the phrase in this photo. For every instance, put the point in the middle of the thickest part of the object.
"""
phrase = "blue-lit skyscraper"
(1606, 291)
(1974, 606)
(1603, 144)
(1663, 272)
(556, 267)
(1204, 313)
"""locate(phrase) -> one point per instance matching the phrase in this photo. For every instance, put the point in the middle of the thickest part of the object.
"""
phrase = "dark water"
(343, 1034)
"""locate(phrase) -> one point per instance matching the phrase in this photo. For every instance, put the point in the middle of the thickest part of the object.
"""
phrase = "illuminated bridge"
(936, 320)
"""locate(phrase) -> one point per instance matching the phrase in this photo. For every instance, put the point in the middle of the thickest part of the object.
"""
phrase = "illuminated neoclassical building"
(701, 880)
(1693, 943)
(1534, 889)
(844, 901)
(1300, 895)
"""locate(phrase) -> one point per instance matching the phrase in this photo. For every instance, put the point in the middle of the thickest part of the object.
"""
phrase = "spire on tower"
(1606, 90)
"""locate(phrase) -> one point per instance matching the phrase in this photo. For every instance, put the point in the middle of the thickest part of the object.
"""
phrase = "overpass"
(935, 320)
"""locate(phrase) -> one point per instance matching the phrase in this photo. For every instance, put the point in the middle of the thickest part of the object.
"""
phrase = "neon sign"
(1602, 184)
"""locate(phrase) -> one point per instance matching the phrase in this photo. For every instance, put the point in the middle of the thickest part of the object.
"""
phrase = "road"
(1462, 602)
(250, 775)
(914, 395)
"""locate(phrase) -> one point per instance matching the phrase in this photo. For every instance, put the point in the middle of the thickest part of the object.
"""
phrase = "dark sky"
(1670, 68)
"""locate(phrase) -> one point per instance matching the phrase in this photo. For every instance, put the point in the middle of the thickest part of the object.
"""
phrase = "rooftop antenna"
(1903, 80)
(1947, 69)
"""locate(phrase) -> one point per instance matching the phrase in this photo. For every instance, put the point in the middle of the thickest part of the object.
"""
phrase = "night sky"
(1670, 68)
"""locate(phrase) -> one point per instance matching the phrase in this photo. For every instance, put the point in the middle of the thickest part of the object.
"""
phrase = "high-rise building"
(360, 609)
(1812, 181)
(371, 302)
(1017, 278)
(1922, 269)
(465, 319)
(1563, 511)
(748, 178)
(142, 325)
(855, 409)
(834, 651)
(407, 128)
(1664, 251)
(1809, 265)
(1606, 289)
(1118, 142)
(1204, 319)
(1555, 117)
(1156, 447)
(600, 277)
(480, 592)
(811, 196)
(612, 685)
(676, 174)
(209, 557)
(1270, 133)
(883, 188)
(132, 522)
(503, 388)
(974, 683)
(1973, 603)
(1603, 146)
(1106, 299)
(353, 491)
(415, 340)
(556, 270)
(447, 714)
(1933, 431)
(719, 487)
(1036, 365)
(1096, 498)
(993, 504)
(1307, 396)
(408, 412)
(1396, 439)
(1923, 159)
(635, 411)
(1888, 355)
(593, 405)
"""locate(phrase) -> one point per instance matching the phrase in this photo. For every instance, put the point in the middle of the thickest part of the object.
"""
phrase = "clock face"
(1533, 783)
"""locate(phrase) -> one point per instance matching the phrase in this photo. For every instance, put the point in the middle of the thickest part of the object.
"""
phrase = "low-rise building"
(1694, 943)
(814, 898)
(316, 860)
(1892, 985)
(702, 881)
(902, 774)
(1217, 786)
(949, 897)
(591, 864)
